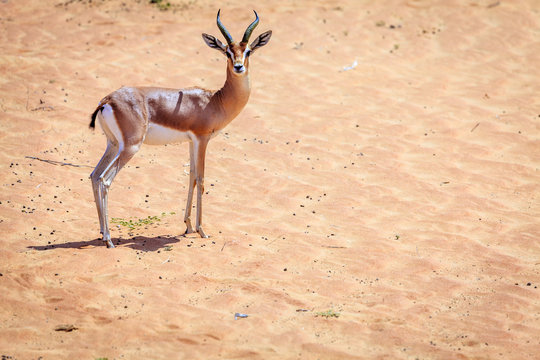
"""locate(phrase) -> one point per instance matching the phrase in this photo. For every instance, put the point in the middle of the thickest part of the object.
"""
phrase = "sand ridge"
(400, 195)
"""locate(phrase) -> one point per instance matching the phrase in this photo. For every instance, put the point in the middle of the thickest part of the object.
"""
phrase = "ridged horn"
(224, 31)
(250, 28)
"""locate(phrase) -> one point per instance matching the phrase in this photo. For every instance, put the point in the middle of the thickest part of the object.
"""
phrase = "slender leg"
(200, 153)
(116, 156)
(105, 183)
(187, 217)
(102, 178)
(106, 159)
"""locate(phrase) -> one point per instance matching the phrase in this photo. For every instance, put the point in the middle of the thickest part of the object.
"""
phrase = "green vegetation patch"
(161, 5)
(327, 314)
(132, 224)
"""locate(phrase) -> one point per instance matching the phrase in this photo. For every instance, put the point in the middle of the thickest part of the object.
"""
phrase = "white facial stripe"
(244, 55)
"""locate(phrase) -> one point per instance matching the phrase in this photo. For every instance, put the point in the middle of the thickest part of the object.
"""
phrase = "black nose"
(238, 67)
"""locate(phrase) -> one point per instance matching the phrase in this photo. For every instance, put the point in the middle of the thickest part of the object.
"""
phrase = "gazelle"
(131, 116)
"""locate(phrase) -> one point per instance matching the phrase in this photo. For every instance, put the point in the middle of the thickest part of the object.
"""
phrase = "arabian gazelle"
(131, 116)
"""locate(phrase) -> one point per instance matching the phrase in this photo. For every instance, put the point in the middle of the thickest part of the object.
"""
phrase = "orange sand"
(402, 194)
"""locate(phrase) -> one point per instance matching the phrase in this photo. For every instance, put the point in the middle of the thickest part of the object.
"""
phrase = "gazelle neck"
(234, 94)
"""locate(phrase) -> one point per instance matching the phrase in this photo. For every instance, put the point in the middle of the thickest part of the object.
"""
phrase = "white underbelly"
(161, 135)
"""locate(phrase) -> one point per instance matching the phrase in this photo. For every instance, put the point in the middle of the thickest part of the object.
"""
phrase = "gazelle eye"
(248, 52)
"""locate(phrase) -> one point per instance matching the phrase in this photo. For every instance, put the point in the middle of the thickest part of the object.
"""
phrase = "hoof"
(201, 233)
(189, 228)
(109, 243)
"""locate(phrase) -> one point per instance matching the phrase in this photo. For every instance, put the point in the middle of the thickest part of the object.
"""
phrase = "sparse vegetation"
(132, 224)
(327, 314)
(161, 5)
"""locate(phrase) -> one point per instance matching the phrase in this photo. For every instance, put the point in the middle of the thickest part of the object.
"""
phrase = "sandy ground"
(387, 211)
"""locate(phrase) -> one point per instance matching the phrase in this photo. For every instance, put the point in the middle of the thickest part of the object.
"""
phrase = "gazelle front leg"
(191, 186)
(200, 154)
(197, 153)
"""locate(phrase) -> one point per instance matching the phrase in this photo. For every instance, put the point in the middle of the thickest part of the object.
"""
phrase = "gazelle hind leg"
(102, 182)
(105, 168)
(103, 164)
(115, 157)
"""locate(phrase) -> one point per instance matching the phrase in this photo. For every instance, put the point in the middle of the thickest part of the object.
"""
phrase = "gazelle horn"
(224, 31)
(250, 28)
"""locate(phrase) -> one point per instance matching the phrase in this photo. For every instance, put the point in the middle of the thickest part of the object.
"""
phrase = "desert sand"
(378, 198)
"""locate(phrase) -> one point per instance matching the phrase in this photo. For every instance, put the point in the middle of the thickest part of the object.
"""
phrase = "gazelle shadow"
(141, 243)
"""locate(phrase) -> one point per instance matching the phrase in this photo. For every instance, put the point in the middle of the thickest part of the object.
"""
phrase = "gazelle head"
(238, 53)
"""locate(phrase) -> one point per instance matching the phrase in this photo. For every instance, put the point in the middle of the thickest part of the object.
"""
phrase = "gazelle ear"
(262, 40)
(214, 43)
